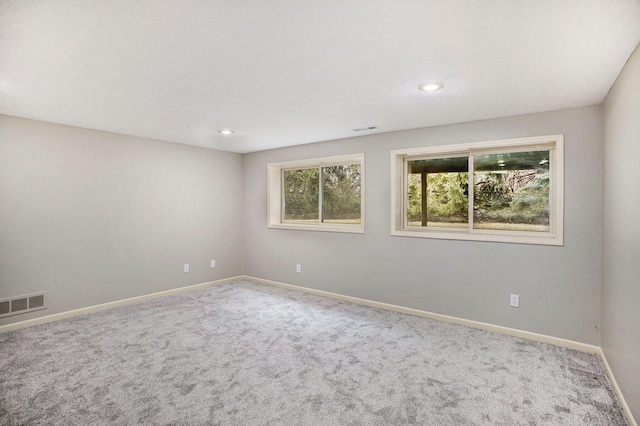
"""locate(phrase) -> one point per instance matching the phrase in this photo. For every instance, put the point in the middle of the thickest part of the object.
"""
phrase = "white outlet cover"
(298, 268)
(213, 264)
(514, 301)
(186, 267)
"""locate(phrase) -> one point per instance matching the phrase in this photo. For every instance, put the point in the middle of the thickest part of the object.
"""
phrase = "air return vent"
(22, 304)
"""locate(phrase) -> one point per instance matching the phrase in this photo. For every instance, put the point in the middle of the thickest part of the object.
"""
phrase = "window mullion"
(470, 190)
(320, 195)
(552, 190)
(282, 196)
(405, 191)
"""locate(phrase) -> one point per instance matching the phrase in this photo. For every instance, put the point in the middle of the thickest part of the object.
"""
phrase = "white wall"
(559, 287)
(621, 232)
(92, 217)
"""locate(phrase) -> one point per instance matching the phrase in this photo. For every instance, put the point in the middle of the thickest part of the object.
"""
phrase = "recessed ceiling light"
(430, 87)
(225, 132)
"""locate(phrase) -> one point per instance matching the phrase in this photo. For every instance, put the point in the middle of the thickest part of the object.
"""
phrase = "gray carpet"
(248, 354)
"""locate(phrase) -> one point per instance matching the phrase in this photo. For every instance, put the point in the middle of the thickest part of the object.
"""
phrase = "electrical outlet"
(298, 268)
(515, 301)
(213, 264)
(186, 267)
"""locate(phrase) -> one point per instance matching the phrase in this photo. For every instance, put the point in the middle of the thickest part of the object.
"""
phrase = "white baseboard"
(571, 344)
(396, 308)
(109, 305)
(623, 402)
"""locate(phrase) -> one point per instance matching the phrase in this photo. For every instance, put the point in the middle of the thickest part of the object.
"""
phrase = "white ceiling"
(284, 73)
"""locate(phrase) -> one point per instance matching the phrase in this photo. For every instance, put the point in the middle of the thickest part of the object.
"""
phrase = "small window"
(509, 191)
(322, 194)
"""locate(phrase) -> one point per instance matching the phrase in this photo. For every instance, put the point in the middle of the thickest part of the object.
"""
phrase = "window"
(508, 191)
(321, 194)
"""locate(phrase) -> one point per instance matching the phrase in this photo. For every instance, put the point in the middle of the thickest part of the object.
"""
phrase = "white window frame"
(555, 145)
(275, 198)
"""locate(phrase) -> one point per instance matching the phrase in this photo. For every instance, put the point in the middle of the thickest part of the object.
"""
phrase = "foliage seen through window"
(340, 193)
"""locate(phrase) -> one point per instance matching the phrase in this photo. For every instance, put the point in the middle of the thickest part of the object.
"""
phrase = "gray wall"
(559, 287)
(621, 232)
(92, 217)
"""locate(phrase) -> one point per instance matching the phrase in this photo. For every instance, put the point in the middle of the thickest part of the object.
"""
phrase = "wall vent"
(22, 304)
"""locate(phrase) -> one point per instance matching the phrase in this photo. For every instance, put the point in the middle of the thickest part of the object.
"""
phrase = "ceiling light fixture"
(430, 87)
(225, 132)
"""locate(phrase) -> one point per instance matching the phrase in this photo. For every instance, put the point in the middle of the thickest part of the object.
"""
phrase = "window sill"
(510, 237)
(351, 229)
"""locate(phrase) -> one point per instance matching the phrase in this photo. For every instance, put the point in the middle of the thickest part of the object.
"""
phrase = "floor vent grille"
(22, 304)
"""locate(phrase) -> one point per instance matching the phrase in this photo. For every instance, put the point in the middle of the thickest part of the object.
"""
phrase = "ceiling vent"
(364, 129)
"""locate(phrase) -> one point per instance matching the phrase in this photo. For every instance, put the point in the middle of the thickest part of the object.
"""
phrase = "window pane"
(438, 192)
(301, 195)
(341, 190)
(512, 191)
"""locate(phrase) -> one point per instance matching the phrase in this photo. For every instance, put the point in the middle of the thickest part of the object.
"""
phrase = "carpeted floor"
(249, 354)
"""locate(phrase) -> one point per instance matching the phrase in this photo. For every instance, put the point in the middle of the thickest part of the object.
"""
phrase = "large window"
(321, 194)
(508, 191)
